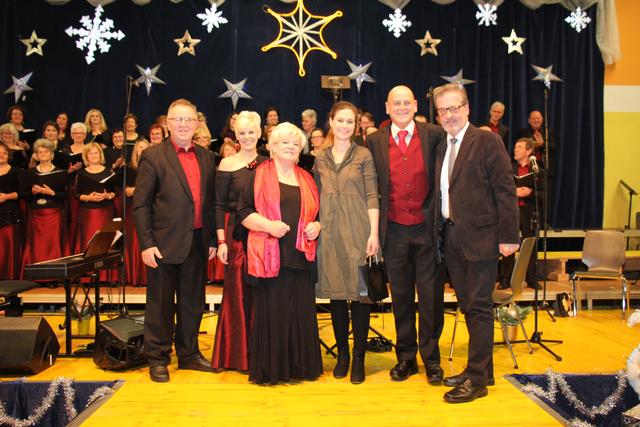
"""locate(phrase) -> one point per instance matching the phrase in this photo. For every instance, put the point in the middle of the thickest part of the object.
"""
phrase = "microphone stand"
(430, 102)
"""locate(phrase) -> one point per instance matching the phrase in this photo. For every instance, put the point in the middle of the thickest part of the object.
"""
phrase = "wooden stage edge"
(592, 291)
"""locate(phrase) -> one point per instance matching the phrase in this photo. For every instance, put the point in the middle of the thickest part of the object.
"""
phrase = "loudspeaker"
(28, 345)
(119, 344)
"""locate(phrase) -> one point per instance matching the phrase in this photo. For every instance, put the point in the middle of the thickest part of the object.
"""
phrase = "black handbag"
(374, 276)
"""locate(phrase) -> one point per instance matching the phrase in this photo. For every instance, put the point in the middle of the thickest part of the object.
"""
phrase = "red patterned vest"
(408, 182)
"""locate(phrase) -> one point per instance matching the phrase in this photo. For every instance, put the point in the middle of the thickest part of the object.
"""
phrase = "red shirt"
(522, 170)
(191, 169)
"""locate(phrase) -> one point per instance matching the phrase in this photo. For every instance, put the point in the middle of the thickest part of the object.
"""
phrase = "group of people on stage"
(429, 198)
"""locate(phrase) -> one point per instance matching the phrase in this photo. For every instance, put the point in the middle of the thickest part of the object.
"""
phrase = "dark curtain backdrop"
(62, 81)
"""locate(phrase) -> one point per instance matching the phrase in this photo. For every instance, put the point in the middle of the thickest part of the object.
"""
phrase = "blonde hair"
(79, 125)
(87, 122)
(44, 143)
(281, 132)
(88, 147)
(135, 155)
(250, 117)
(451, 87)
(11, 128)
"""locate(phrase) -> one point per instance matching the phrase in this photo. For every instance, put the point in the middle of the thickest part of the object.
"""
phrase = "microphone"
(533, 163)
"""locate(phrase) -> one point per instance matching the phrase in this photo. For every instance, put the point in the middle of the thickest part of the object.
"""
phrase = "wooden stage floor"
(596, 341)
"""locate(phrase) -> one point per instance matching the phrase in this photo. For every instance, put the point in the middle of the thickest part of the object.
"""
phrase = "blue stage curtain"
(63, 81)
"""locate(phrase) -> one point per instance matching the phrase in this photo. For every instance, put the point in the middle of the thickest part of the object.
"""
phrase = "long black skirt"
(284, 342)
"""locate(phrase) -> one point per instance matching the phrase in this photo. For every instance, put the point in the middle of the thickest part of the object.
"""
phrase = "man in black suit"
(173, 212)
(521, 167)
(404, 156)
(478, 221)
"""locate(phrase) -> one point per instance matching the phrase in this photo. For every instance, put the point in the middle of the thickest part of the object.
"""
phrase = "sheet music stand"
(336, 84)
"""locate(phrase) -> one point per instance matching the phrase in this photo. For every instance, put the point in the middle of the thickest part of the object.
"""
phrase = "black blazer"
(163, 207)
(482, 195)
(378, 143)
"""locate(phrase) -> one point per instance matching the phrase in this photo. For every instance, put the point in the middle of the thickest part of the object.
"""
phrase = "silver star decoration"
(148, 77)
(34, 44)
(457, 78)
(514, 43)
(19, 85)
(235, 91)
(359, 74)
(545, 75)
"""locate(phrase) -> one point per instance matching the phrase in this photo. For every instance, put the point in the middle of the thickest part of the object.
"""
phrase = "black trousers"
(410, 260)
(507, 263)
(186, 282)
(473, 282)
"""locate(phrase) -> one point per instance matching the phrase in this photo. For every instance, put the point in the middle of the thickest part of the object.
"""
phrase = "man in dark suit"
(495, 123)
(478, 221)
(404, 156)
(521, 167)
(173, 212)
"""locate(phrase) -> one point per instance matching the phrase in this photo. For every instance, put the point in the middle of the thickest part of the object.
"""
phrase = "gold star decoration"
(298, 31)
(428, 44)
(186, 44)
(34, 44)
(514, 43)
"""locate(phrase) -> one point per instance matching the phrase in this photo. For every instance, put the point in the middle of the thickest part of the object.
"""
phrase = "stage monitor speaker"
(119, 344)
(28, 345)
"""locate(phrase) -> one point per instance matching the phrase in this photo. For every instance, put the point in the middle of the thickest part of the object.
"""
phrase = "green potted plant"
(510, 318)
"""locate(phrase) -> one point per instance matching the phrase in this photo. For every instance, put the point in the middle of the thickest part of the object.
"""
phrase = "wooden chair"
(604, 254)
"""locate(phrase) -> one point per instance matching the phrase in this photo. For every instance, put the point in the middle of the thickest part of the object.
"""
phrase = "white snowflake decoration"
(96, 33)
(397, 23)
(578, 19)
(486, 14)
(212, 18)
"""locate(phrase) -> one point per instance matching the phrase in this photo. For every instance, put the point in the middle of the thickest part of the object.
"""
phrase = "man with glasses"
(477, 219)
(173, 213)
(404, 156)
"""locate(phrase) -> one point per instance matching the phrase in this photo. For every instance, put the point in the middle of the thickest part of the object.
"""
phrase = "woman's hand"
(223, 251)
(312, 230)
(278, 229)
(373, 244)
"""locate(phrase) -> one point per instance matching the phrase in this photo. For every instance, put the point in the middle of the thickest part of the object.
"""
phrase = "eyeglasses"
(452, 110)
(183, 120)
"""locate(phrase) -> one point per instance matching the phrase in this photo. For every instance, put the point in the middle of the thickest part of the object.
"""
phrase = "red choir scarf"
(263, 250)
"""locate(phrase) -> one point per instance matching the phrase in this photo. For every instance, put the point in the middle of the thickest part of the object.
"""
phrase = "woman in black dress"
(280, 208)
(11, 138)
(10, 218)
(231, 349)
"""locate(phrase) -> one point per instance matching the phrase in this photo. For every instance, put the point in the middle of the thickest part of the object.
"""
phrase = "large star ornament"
(514, 43)
(428, 44)
(19, 86)
(148, 77)
(359, 74)
(457, 78)
(186, 44)
(235, 91)
(545, 75)
(301, 32)
(34, 44)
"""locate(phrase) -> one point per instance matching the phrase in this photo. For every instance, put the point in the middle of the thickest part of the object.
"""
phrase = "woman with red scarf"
(280, 209)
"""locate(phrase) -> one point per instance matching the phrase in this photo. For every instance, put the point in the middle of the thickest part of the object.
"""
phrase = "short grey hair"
(284, 131)
(498, 104)
(311, 114)
(44, 143)
(79, 125)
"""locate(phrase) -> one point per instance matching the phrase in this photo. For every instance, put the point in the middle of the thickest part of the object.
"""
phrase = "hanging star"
(457, 78)
(235, 91)
(300, 28)
(19, 86)
(148, 77)
(186, 44)
(34, 40)
(545, 75)
(514, 43)
(359, 74)
(428, 44)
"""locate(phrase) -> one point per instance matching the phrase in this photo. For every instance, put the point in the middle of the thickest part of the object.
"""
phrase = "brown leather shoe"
(159, 373)
(465, 392)
(197, 363)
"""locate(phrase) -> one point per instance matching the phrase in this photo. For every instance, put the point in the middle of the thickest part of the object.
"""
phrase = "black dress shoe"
(357, 370)
(197, 363)
(456, 380)
(465, 392)
(342, 366)
(434, 374)
(159, 373)
(404, 370)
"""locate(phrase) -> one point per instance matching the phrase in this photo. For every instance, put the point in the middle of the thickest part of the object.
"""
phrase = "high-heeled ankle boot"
(342, 365)
(357, 369)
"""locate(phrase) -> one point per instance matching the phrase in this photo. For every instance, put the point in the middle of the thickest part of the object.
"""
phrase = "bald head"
(401, 106)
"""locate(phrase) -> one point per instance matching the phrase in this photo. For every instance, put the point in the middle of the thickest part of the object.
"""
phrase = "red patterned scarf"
(263, 250)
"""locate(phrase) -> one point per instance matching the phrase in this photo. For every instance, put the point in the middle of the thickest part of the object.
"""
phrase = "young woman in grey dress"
(347, 181)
